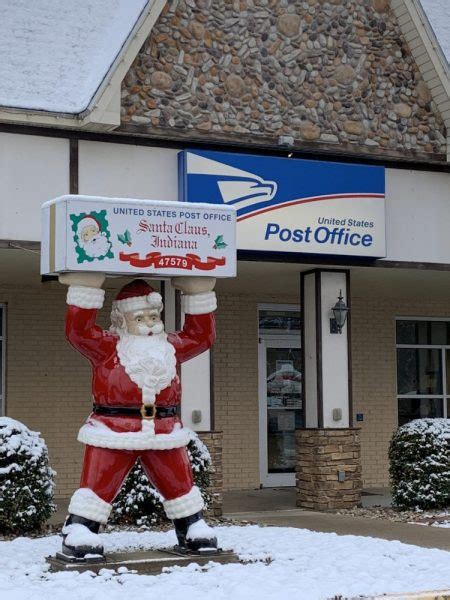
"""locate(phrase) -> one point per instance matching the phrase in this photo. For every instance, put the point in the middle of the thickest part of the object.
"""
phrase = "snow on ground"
(55, 53)
(438, 13)
(304, 565)
(445, 524)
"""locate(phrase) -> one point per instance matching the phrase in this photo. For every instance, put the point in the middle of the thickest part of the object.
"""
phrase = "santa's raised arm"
(136, 393)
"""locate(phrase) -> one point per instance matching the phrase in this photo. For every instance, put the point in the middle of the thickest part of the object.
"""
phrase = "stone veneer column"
(321, 455)
(213, 441)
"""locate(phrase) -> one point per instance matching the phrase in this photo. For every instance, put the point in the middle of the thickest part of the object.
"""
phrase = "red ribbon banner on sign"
(159, 261)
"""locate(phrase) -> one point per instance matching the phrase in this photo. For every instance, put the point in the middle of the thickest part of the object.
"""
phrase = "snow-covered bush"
(138, 503)
(419, 456)
(26, 479)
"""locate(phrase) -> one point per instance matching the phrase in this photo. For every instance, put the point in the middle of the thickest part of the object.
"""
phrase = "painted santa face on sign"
(146, 321)
(89, 232)
(92, 240)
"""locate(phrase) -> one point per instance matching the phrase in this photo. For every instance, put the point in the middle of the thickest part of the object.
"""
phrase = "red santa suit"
(115, 441)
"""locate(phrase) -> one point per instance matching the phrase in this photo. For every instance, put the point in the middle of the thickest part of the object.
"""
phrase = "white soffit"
(427, 51)
(63, 61)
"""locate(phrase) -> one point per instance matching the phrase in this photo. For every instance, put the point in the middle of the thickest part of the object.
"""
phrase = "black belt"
(125, 411)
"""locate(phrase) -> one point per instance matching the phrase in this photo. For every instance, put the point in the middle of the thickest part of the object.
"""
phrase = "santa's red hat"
(138, 295)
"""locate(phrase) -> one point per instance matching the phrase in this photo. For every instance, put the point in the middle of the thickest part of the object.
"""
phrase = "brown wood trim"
(20, 245)
(177, 310)
(162, 291)
(73, 166)
(319, 349)
(212, 397)
(165, 141)
(302, 344)
(349, 349)
(4, 358)
(342, 261)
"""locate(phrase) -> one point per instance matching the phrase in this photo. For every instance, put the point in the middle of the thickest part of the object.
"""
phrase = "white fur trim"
(85, 297)
(85, 503)
(96, 433)
(199, 304)
(184, 506)
(153, 300)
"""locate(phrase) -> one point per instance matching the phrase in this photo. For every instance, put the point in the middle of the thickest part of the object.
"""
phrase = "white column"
(326, 355)
(196, 382)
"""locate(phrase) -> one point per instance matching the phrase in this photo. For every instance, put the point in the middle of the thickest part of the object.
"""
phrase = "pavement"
(276, 507)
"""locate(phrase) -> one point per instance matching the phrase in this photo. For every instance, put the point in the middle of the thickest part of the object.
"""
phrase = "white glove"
(194, 285)
(92, 280)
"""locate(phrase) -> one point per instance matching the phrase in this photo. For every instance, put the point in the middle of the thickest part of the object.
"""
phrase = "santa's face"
(89, 232)
(145, 353)
(146, 321)
(94, 242)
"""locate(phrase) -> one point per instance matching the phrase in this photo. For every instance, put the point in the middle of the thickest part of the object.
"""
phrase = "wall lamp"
(340, 312)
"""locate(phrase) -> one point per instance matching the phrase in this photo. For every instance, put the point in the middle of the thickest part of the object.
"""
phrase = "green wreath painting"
(91, 236)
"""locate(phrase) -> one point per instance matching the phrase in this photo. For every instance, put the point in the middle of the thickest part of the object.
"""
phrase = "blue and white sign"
(292, 205)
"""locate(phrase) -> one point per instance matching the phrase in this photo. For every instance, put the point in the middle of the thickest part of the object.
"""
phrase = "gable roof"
(438, 15)
(415, 18)
(58, 56)
(63, 61)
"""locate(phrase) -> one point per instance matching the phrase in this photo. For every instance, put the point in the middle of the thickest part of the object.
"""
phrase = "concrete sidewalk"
(284, 498)
(276, 507)
(419, 535)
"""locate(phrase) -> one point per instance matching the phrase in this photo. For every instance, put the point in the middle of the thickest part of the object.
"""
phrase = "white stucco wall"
(417, 216)
(127, 171)
(34, 169)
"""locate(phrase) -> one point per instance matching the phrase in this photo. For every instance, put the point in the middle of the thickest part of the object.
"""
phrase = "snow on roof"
(438, 14)
(56, 53)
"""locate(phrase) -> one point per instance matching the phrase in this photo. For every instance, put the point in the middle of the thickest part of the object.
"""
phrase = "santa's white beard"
(97, 246)
(149, 361)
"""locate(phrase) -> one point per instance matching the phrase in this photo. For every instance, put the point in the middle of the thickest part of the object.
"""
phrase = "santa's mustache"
(153, 330)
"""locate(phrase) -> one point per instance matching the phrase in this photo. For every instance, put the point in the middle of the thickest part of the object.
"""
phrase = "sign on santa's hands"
(121, 236)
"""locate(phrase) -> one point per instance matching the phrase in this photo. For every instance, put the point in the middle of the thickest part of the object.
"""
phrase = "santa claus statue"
(136, 396)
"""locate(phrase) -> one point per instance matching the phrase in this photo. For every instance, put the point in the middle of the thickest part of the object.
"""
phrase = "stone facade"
(321, 455)
(213, 441)
(328, 75)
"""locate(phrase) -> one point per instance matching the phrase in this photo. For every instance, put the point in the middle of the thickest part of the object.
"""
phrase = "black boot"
(80, 537)
(194, 534)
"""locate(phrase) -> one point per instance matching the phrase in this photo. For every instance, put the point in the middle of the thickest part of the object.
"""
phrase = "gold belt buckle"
(144, 415)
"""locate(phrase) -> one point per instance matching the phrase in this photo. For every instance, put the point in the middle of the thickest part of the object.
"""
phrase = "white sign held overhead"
(121, 236)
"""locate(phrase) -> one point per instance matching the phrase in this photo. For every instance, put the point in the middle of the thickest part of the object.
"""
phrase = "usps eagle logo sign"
(292, 205)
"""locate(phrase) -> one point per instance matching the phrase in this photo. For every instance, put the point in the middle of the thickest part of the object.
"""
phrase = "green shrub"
(419, 458)
(26, 479)
(138, 503)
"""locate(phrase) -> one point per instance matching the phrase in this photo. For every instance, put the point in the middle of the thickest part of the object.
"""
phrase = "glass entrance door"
(281, 408)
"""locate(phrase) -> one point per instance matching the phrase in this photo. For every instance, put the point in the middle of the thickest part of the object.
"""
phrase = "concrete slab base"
(150, 562)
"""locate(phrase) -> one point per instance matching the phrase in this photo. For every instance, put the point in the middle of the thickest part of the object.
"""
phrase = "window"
(423, 368)
(2, 359)
(285, 320)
